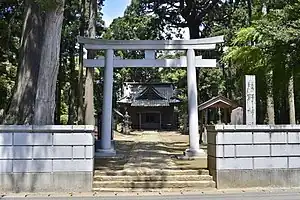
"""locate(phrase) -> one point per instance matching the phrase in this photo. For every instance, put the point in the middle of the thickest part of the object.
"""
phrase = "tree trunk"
(45, 96)
(72, 79)
(291, 98)
(249, 5)
(80, 111)
(21, 108)
(270, 100)
(229, 82)
(194, 31)
(89, 84)
(58, 92)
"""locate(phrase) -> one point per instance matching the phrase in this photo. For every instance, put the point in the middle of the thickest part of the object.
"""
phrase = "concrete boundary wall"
(254, 156)
(46, 158)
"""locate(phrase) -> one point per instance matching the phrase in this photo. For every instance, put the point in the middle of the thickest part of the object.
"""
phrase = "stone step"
(150, 172)
(133, 167)
(153, 190)
(153, 184)
(154, 178)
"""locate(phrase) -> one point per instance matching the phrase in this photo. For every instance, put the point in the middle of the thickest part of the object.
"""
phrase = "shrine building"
(151, 106)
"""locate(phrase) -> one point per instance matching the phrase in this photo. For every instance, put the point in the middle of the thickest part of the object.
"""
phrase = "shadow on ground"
(149, 154)
(123, 151)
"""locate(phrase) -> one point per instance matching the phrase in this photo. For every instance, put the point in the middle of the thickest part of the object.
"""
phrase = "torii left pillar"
(107, 149)
(194, 149)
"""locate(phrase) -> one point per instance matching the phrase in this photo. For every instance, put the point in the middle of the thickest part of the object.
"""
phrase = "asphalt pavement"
(235, 196)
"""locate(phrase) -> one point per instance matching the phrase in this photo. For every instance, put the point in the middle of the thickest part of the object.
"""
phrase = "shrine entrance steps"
(146, 163)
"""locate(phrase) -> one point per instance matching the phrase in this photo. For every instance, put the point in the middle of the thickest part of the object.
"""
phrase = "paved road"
(242, 196)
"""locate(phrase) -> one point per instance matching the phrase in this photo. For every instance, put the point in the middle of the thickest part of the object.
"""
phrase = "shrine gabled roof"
(218, 102)
(149, 94)
(150, 90)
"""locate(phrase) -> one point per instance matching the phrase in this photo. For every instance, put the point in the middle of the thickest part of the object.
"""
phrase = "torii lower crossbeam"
(123, 63)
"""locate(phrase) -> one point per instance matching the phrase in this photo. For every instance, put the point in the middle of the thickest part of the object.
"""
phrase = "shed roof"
(218, 102)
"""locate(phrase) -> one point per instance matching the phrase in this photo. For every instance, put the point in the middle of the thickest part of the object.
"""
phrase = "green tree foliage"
(270, 43)
(10, 26)
(67, 89)
(260, 36)
(180, 13)
(138, 27)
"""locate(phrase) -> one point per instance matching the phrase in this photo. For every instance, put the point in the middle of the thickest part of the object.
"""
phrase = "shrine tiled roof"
(149, 94)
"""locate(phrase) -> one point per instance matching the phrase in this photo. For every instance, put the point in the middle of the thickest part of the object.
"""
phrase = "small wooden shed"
(219, 102)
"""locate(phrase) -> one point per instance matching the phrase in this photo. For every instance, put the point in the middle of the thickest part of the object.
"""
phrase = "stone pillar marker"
(250, 101)
(106, 146)
(194, 149)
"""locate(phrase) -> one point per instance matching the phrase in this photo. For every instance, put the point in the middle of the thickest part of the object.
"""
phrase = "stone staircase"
(146, 163)
(154, 180)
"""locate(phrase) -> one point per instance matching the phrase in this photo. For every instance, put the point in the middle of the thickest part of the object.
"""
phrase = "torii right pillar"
(194, 149)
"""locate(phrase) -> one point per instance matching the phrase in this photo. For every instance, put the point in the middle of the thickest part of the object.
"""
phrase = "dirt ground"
(150, 150)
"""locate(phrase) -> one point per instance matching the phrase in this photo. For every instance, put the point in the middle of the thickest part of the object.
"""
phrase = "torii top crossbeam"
(204, 43)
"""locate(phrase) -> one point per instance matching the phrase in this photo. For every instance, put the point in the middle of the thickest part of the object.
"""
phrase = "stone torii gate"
(109, 63)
